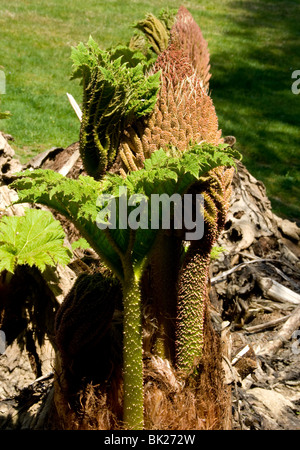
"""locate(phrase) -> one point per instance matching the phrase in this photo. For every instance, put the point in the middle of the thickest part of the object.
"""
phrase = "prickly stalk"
(191, 307)
(193, 277)
(132, 353)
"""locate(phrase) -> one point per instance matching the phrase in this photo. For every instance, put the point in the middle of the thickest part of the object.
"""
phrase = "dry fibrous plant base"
(89, 406)
(200, 402)
(171, 402)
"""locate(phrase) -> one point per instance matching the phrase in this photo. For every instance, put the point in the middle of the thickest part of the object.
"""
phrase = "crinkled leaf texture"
(78, 200)
(115, 94)
(35, 239)
(80, 243)
(74, 199)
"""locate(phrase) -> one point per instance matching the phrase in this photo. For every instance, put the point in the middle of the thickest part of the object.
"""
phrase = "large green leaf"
(35, 239)
(78, 200)
(163, 174)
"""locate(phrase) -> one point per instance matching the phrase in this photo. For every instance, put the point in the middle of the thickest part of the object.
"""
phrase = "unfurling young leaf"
(116, 92)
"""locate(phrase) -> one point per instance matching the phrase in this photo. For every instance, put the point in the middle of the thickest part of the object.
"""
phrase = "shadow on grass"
(253, 97)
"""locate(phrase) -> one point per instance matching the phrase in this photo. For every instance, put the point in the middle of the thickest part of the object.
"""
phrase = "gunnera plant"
(184, 114)
(147, 131)
(125, 251)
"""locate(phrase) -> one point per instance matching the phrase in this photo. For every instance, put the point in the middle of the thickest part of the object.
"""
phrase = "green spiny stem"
(191, 306)
(133, 414)
(133, 401)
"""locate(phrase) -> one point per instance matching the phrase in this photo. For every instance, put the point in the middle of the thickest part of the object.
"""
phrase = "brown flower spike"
(184, 113)
(188, 36)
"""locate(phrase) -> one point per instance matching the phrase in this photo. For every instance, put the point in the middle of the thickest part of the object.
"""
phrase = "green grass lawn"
(254, 47)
